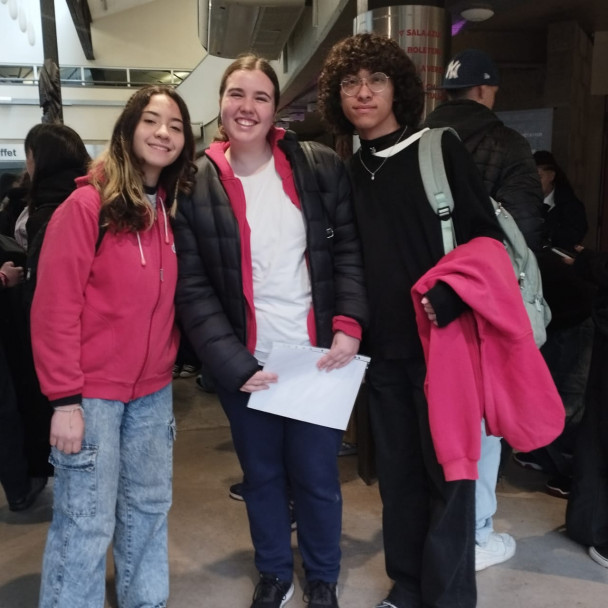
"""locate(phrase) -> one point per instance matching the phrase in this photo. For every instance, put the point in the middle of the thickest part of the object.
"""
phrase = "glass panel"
(179, 77)
(70, 75)
(142, 77)
(16, 74)
(105, 77)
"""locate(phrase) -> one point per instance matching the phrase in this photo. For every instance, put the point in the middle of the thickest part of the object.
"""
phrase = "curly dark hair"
(375, 53)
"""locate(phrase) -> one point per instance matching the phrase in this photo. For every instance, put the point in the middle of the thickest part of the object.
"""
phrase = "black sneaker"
(205, 383)
(347, 449)
(320, 594)
(236, 491)
(527, 460)
(559, 486)
(37, 484)
(271, 592)
(188, 371)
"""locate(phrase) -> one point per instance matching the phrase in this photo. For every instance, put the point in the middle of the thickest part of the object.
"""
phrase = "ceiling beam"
(81, 16)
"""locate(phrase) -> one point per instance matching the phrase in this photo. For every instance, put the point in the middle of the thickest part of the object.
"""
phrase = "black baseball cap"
(470, 68)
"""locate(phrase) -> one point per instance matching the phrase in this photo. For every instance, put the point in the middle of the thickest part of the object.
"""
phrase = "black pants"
(428, 523)
(587, 512)
(32, 405)
(13, 464)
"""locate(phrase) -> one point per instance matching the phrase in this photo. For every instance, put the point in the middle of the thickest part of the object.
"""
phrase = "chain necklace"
(373, 173)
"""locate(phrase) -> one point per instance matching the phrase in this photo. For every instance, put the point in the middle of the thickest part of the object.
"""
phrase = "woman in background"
(565, 219)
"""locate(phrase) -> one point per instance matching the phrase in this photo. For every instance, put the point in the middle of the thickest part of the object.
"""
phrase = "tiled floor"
(211, 556)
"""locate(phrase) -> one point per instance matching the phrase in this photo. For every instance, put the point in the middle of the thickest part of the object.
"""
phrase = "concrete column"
(422, 30)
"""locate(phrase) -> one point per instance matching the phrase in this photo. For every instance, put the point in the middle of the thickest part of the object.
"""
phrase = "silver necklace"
(373, 173)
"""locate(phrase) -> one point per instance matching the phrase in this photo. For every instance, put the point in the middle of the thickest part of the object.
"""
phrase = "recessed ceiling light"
(477, 13)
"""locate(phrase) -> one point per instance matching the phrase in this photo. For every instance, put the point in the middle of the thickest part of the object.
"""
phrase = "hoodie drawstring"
(141, 251)
(142, 257)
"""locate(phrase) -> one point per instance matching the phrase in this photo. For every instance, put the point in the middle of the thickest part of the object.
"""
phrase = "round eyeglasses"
(376, 83)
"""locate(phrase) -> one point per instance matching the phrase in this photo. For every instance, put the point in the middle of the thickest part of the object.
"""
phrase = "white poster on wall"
(535, 125)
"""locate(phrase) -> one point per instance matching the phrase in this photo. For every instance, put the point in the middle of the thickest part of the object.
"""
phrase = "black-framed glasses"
(376, 83)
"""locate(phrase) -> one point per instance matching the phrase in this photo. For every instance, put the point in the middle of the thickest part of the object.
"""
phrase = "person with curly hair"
(369, 86)
(104, 342)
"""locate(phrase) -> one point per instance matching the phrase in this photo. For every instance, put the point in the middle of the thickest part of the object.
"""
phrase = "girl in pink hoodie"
(104, 344)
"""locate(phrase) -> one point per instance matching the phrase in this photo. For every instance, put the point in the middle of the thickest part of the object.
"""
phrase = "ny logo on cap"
(452, 69)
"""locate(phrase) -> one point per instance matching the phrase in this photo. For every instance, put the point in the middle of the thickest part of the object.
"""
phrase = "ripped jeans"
(116, 489)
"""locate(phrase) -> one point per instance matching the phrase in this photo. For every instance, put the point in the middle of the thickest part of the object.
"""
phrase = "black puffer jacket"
(210, 301)
(505, 161)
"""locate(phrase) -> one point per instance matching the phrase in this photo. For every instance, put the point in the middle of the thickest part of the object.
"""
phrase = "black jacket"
(51, 192)
(505, 161)
(567, 221)
(210, 301)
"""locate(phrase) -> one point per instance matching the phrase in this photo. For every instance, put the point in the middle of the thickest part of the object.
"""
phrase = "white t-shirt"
(281, 284)
(550, 199)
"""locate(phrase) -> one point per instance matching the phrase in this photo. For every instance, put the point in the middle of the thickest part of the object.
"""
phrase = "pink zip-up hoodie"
(485, 363)
(103, 321)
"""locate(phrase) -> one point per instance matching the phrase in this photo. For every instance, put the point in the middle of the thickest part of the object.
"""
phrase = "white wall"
(161, 34)
(14, 45)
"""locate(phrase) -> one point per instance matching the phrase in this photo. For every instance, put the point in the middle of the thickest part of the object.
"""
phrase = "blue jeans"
(485, 486)
(282, 457)
(117, 488)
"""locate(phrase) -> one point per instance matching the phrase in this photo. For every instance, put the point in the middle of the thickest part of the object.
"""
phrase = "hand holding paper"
(305, 392)
(342, 352)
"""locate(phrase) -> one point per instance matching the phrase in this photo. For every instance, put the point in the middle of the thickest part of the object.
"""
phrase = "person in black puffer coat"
(268, 251)
(502, 155)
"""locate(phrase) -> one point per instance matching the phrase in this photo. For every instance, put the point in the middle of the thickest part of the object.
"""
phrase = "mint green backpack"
(439, 194)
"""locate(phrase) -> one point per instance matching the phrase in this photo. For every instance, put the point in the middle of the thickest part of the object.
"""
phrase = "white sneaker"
(599, 555)
(499, 548)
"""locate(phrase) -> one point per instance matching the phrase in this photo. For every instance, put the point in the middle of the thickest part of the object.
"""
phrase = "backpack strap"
(100, 235)
(436, 184)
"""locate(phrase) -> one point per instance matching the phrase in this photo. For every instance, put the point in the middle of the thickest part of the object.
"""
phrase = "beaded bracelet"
(76, 408)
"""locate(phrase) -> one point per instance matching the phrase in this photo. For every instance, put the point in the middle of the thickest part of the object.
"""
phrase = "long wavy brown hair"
(117, 172)
(375, 53)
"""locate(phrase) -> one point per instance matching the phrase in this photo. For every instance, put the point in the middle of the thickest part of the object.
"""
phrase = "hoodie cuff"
(70, 400)
(347, 325)
(446, 303)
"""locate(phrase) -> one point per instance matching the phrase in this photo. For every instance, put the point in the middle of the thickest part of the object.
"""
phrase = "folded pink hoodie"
(485, 363)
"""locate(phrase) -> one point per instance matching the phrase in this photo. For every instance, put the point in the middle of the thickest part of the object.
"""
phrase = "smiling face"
(247, 107)
(158, 139)
(370, 113)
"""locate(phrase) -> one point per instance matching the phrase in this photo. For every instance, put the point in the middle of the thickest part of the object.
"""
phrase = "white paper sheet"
(305, 393)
